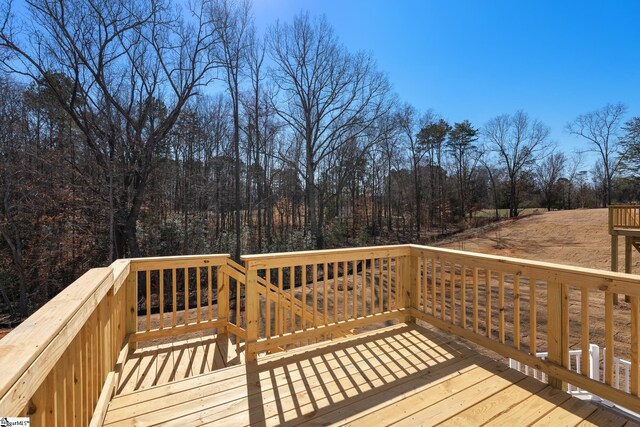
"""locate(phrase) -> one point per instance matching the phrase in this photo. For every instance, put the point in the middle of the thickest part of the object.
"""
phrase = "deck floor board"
(165, 363)
(401, 375)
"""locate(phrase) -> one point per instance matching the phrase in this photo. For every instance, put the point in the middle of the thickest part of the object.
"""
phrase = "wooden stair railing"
(272, 293)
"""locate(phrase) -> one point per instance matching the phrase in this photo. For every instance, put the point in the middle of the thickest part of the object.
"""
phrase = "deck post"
(131, 312)
(558, 328)
(223, 300)
(614, 258)
(628, 260)
(611, 220)
(252, 307)
(408, 271)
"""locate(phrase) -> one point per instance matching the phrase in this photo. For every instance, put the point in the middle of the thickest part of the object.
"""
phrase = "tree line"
(141, 128)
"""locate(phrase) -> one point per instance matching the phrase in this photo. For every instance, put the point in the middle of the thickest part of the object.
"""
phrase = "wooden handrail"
(284, 259)
(183, 261)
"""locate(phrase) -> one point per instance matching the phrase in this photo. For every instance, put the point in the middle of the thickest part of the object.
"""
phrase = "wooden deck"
(168, 362)
(400, 375)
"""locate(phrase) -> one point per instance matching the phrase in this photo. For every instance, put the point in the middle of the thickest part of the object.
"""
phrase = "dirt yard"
(578, 237)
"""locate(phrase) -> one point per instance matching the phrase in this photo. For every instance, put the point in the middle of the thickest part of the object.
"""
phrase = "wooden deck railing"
(179, 294)
(519, 307)
(624, 216)
(57, 363)
(339, 290)
(62, 364)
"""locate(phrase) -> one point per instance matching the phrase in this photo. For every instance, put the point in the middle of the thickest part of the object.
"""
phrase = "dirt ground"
(578, 237)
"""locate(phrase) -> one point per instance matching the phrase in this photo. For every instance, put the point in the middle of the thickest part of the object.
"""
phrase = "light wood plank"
(210, 293)
(331, 255)
(315, 295)
(147, 298)
(423, 289)
(434, 301)
(267, 301)
(390, 374)
(569, 413)
(487, 306)
(635, 346)
(498, 403)
(344, 393)
(325, 290)
(389, 283)
(463, 295)
(443, 291)
(186, 295)
(501, 308)
(603, 417)
(532, 409)
(198, 295)
(174, 294)
(394, 354)
(609, 342)
(303, 297)
(161, 291)
(584, 333)
(533, 318)
(475, 300)
(454, 402)
(516, 311)
(452, 292)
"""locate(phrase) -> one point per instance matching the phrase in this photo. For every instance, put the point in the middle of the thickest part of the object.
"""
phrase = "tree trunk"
(236, 152)
(416, 185)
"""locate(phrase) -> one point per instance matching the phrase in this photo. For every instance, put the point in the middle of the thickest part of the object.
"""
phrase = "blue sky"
(477, 59)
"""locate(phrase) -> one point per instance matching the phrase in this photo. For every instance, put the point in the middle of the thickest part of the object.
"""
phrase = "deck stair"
(282, 297)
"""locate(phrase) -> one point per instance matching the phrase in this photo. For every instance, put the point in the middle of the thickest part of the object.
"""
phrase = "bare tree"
(518, 142)
(547, 173)
(494, 174)
(601, 129)
(328, 97)
(232, 26)
(573, 175)
(260, 130)
(410, 126)
(123, 71)
(389, 127)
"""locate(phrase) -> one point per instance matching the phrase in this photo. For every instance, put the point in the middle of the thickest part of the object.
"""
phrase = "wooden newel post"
(628, 260)
(614, 247)
(131, 307)
(223, 300)
(408, 284)
(252, 306)
(557, 328)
